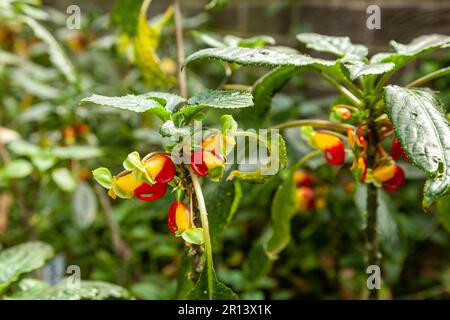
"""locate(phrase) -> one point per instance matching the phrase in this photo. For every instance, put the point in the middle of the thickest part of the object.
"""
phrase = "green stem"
(436, 74)
(300, 163)
(324, 124)
(205, 227)
(343, 90)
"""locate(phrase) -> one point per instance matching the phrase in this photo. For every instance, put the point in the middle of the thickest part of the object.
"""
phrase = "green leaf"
(16, 169)
(21, 259)
(223, 202)
(263, 91)
(218, 290)
(443, 212)
(64, 179)
(267, 57)
(424, 132)
(193, 235)
(125, 14)
(252, 42)
(84, 205)
(103, 177)
(139, 103)
(408, 52)
(256, 264)
(170, 101)
(184, 281)
(358, 69)
(339, 46)
(87, 290)
(76, 152)
(57, 55)
(222, 99)
(23, 148)
(284, 207)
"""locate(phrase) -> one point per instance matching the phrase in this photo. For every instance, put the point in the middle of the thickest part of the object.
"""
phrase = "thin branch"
(343, 90)
(323, 124)
(436, 74)
(121, 248)
(180, 49)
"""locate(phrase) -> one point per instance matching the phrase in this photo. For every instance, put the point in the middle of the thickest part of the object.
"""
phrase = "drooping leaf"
(87, 290)
(21, 259)
(267, 57)
(223, 203)
(424, 132)
(146, 42)
(64, 179)
(339, 46)
(209, 288)
(284, 207)
(408, 52)
(57, 54)
(139, 103)
(84, 205)
(263, 91)
(15, 169)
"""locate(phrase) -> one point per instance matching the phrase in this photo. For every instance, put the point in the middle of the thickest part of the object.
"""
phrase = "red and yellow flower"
(332, 147)
(390, 176)
(397, 150)
(179, 217)
(305, 198)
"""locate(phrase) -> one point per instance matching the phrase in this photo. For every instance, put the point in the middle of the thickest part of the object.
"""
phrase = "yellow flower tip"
(384, 173)
(154, 165)
(322, 141)
(182, 217)
(212, 160)
(127, 184)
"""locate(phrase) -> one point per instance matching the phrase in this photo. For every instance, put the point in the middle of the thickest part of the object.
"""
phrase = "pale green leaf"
(339, 46)
(421, 126)
(193, 235)
(20, 259)
(16, 169)
(64, 179)
(103, 177)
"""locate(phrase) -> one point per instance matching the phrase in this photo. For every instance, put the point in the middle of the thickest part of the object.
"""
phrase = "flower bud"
(179, 217)
(303, 179)
(305, 198)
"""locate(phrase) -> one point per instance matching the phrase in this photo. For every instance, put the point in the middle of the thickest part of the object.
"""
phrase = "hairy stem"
(180, 48)
(343, 90)
(205, 227)
(373, 254)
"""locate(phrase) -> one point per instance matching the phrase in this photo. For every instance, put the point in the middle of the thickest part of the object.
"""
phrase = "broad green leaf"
(339, 46)
(216, 291)
(57, 54)
(424, 132)
(256, 264)
(87, 290)
(267, 57)
(43, 160)
(23, 148)
(104, 177)
(193, 235)
(76, 152)
(408, 52)
(64, 179)
(263, 91)
(443, 212)
(223, 202)
(222, 99)
(21, 259)
(358, 69)
(139, 103)
(184, 281)
(170, 101)
(84, 205)
(15, 169)
(284, 207)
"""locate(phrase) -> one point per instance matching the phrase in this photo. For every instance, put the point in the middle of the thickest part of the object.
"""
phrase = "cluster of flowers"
(386, 173)
(148, 179)
(308, 196)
